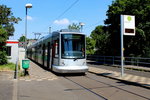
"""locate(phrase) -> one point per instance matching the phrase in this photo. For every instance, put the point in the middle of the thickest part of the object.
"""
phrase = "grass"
(7, 67)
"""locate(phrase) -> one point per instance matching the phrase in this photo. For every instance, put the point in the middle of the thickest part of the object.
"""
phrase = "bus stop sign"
(128, 24)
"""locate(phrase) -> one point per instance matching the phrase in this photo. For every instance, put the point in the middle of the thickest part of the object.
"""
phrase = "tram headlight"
(62, 63)
(84, 63)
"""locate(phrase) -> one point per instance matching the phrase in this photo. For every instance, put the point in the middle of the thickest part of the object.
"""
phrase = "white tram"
(62, 51)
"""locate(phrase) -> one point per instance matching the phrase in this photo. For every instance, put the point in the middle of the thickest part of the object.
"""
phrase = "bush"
(9, 66)
(3, 58)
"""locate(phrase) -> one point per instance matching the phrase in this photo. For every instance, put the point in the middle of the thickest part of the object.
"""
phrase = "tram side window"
(57, 48)
(46, 52)
(8, 50)
(39, 49)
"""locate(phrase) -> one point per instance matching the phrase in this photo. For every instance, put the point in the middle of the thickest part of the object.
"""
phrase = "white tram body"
(62, 51)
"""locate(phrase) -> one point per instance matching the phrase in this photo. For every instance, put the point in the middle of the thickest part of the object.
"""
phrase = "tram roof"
(69, 30)
(55, 33)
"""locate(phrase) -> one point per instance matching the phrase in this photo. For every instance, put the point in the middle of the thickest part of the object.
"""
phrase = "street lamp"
(81, 24)
(26, 6)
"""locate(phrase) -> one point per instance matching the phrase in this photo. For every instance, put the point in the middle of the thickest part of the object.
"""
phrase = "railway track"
(107, 89)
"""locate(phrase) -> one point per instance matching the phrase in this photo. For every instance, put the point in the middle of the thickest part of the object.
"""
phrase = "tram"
(61, 51)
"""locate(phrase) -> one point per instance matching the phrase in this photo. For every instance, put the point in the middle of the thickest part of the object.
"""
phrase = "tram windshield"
(73, 46)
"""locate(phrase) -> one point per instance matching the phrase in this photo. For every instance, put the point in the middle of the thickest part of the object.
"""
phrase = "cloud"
(64, 21)
(29, 18)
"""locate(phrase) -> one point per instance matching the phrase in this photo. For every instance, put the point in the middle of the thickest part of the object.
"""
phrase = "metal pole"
(26, 33)
(113, 60)
(122, 47)
(16, 69)
(49, 30)
(81, 24)
(81, 28)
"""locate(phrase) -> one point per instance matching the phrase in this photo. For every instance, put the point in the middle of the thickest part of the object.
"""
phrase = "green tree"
(90, 45)
(101, 36)
(22, 39)
(74, 26)
(138, 45)
(7, 21)
(3, 38)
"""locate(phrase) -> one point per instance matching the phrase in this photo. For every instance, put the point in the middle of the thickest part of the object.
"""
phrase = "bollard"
(16, 70)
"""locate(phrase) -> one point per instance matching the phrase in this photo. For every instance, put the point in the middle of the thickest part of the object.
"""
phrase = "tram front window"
(73, 46)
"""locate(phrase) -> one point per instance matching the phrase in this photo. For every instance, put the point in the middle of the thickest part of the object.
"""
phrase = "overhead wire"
(75, 2)
(65, 11)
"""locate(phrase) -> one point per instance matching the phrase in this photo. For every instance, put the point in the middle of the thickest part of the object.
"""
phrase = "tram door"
(49, 56)
(46, 55)
(55, 53)
(43, 55)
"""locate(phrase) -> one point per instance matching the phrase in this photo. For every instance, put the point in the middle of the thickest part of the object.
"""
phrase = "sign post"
(122, 46)
(127, 28)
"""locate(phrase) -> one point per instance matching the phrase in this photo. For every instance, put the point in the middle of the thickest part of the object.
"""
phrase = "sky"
(57, 14)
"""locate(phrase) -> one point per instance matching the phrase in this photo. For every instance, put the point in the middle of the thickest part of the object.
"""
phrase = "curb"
(133, 68)
(124, 81)
(138, 68)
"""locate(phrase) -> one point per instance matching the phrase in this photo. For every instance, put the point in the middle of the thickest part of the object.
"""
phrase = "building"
(12, 50)
(22, 44)
(29, 42)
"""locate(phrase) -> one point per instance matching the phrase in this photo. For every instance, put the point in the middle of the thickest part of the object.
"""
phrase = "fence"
(116, 60)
